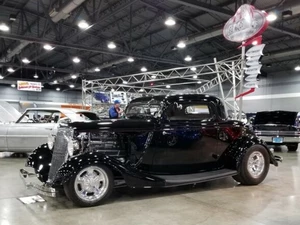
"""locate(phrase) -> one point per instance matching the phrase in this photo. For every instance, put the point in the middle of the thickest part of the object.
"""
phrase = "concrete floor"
(274, 202)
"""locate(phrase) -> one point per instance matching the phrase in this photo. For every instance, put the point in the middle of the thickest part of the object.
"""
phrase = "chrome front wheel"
(256, 164)
(90, 186)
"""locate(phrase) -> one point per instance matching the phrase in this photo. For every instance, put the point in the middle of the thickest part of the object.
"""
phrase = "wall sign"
(248, 22)
(29, 86)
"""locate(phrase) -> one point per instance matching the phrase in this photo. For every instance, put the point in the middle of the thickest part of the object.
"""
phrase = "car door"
(187, 140)
(31, 130)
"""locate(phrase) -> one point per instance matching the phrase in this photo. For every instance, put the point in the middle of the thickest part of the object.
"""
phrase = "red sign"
(247, 23)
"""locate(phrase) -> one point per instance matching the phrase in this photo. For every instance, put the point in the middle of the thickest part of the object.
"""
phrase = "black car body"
(278, 128)
(164, 141)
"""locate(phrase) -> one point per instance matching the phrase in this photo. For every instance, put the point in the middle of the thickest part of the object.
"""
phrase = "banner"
(29, 86)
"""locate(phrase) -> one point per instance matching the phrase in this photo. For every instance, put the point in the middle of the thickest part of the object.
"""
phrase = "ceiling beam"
(86, 48)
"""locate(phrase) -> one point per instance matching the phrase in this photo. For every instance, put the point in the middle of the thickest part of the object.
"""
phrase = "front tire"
(292, 147)
(91, 186)
(254, 167)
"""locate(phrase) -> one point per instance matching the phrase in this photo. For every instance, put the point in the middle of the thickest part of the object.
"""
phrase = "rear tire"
(90, 186)
(292, 147)
(254, 166)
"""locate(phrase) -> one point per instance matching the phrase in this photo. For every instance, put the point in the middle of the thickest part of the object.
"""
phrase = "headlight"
(51, 141)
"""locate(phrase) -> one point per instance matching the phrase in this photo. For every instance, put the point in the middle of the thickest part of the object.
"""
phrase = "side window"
(194, 111)
(40, 116)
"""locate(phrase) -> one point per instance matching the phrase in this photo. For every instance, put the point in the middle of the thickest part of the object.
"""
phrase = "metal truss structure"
(193, 79)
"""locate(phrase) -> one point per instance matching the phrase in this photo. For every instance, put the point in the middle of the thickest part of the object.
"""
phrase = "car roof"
(179, 97)
(62, 110)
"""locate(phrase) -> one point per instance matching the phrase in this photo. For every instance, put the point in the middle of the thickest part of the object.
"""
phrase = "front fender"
(40, 161)
(132, 176)
(234, 153)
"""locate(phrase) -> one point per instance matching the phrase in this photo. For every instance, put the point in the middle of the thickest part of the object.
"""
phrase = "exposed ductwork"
(65, 11)
(55, 16)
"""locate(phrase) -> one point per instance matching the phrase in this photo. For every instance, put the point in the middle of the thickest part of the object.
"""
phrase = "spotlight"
(57, 89)
(4, 27)
(71, 85)
(25, 60)
(193, 69)
(76, 60)
(297, 68)
(181, 44)
(271, 17)
(144, 69)
(97, 69)
(83, 25)
(111, 45)
(188, 58)
(35, 76)
(170, 21)
(130, 59)
(10, 70)
(73, 76)
(48, 47)
(168, 86)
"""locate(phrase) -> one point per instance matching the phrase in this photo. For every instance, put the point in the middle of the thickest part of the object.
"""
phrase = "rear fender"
(40, 161)
(132, 176)
(233, 155)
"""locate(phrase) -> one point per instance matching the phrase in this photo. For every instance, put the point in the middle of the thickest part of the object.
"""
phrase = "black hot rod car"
(164, 141)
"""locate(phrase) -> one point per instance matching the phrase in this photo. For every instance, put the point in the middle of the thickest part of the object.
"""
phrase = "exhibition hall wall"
(278, 91)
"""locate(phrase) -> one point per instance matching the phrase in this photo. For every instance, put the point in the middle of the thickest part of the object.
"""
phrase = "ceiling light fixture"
(13, 85)
(168, 86)
(271, 17)
(195, 76)
(193, 69)
(57, 89)
(1, 77)
(10, 70)
(111, 45)
(71, 85)
(142, 90)
(55, 82)
(199, 82)
(73, 76)
(130, 59)
(297, 68)
(48, 47)
(76, 60)
(181, 44)
(4, 27)
(97, 69)
(153, 76)
(144, 69)
(125, 82)
(188, 58)
(26, 61)
(170, 21)
(83, 25)
(35, 76)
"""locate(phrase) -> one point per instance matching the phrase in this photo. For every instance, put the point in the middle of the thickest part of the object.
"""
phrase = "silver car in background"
(35, 126)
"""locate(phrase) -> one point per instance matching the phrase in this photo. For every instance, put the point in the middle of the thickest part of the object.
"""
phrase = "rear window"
(189, 112)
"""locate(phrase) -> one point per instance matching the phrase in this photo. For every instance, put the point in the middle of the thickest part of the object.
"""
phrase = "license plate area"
(277, 140)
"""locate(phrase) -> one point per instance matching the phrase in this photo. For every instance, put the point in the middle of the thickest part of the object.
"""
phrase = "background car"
(35, 126)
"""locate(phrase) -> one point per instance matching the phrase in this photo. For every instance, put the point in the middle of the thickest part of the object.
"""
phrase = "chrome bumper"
(268, 139)
(41, 189)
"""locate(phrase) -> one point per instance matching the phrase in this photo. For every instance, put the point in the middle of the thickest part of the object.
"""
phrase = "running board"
(175, 180)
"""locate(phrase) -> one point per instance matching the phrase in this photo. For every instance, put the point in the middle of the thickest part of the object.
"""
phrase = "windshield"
(143, 109)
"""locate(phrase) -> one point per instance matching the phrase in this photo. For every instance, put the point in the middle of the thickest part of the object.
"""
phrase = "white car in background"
(35, 126)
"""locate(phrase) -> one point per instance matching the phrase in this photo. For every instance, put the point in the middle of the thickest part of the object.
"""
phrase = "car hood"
(275, 117)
